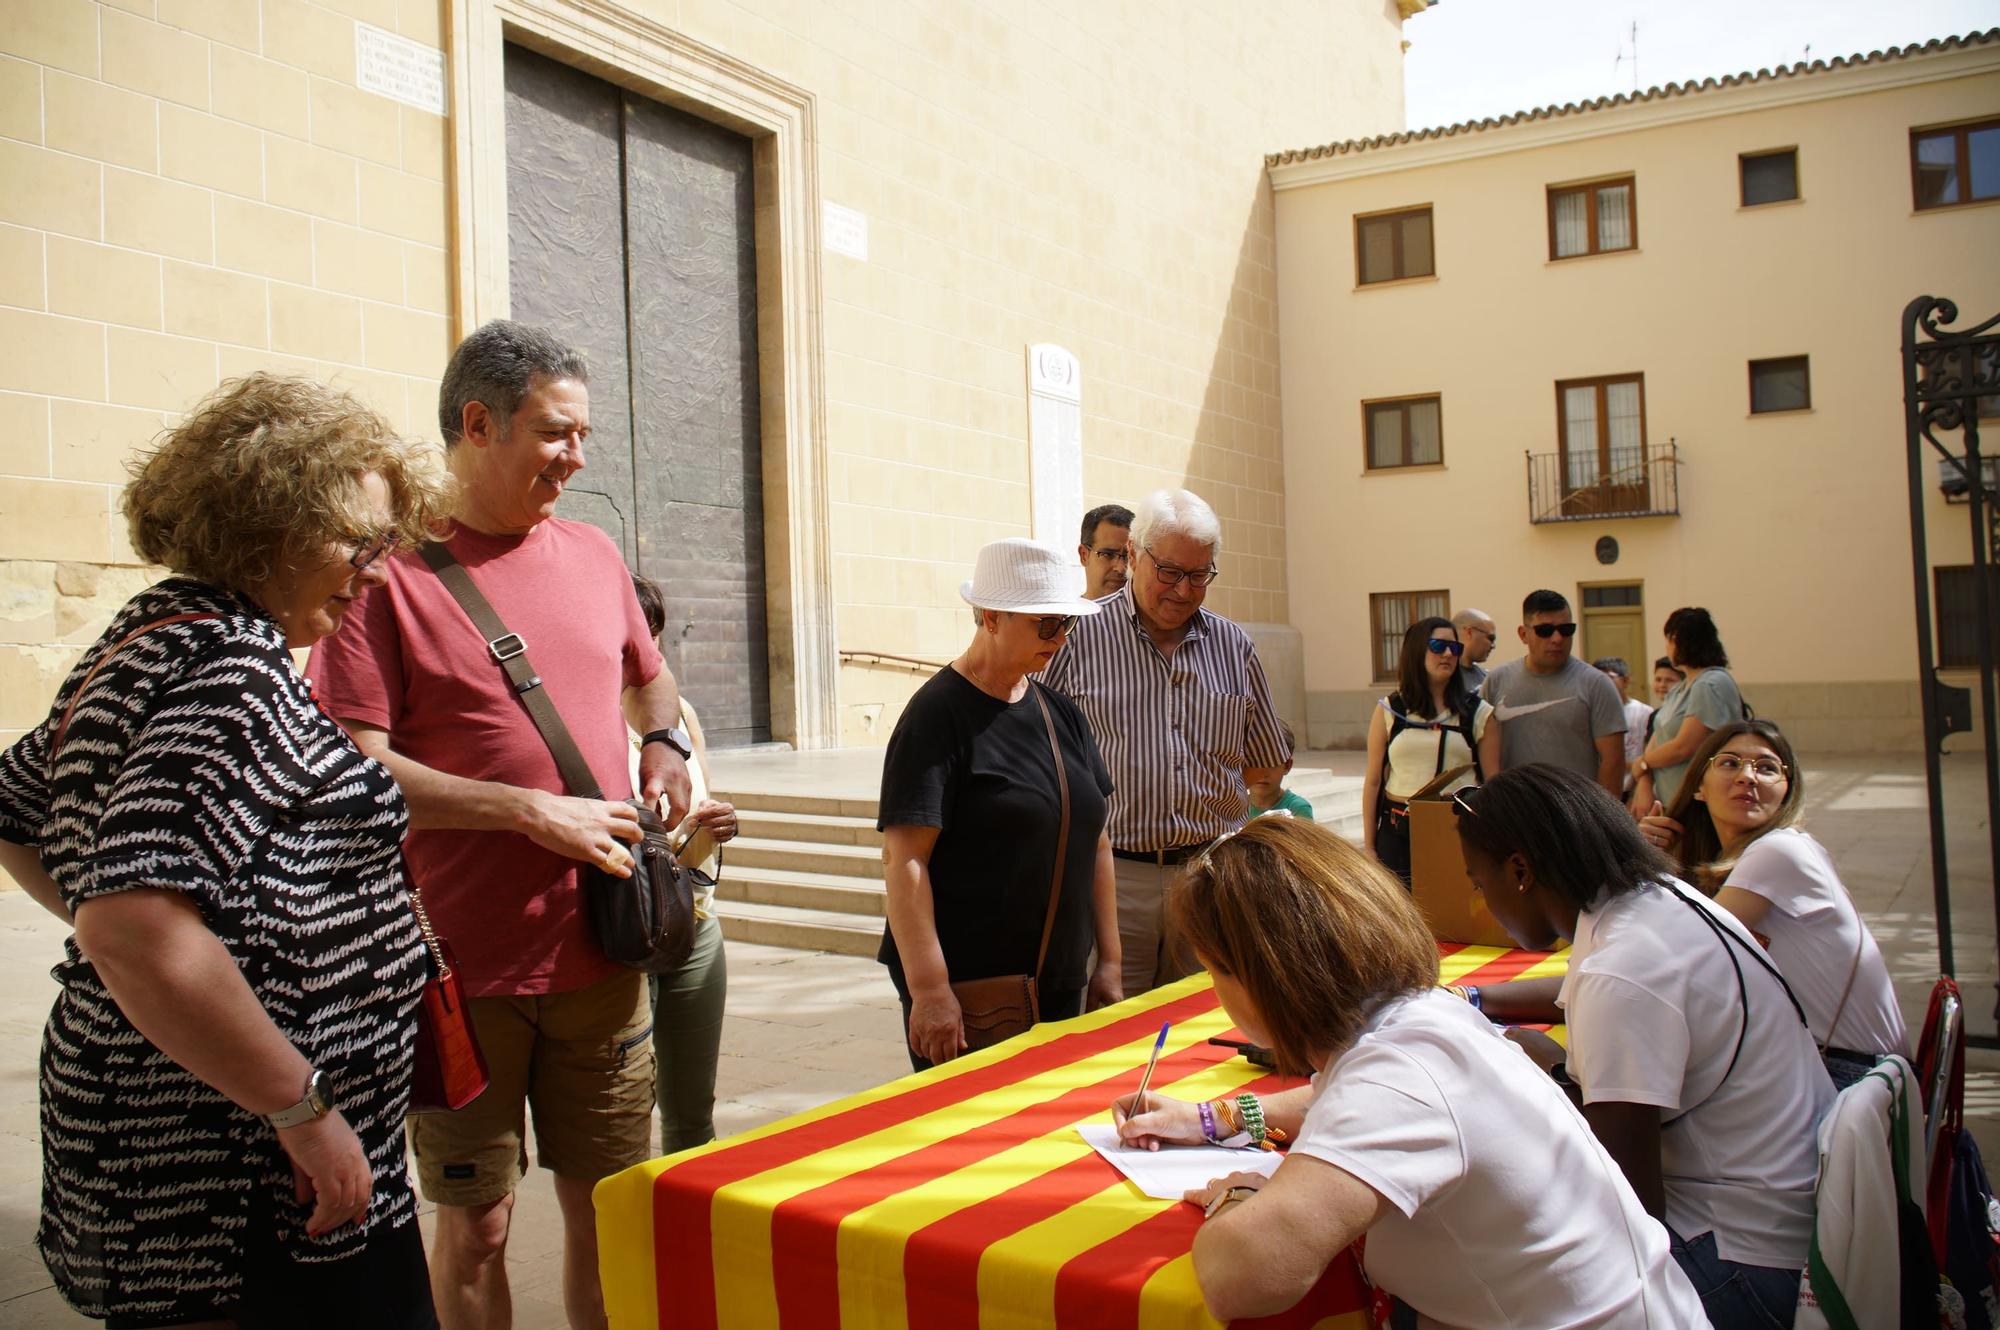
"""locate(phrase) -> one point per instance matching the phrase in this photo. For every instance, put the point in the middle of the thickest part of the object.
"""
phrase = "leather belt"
(1173, 854)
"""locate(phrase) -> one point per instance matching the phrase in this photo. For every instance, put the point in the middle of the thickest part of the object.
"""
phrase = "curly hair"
(265, 473)
(1315, 930)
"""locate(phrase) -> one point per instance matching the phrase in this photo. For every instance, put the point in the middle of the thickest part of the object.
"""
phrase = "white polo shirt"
(1505, 1211)
(1654, 1011)
(1818, 939)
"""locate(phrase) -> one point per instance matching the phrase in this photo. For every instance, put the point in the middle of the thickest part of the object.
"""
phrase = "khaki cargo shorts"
(581, 1062)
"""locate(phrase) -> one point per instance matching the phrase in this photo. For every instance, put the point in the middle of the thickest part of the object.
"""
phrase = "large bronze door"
(630, 234)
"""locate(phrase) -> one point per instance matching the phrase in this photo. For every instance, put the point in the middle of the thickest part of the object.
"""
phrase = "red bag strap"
(62, 726)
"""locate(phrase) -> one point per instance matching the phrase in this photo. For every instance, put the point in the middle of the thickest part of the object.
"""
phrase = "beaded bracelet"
(1208, 1122)
(1252, 1109)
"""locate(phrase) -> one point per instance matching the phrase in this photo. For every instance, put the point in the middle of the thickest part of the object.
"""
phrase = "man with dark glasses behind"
(1553, 707)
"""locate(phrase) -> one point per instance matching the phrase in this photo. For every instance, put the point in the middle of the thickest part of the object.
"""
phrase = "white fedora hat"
(1027, 577)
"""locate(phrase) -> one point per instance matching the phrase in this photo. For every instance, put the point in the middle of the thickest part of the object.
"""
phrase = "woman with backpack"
(1429, 725)
(1703, 702)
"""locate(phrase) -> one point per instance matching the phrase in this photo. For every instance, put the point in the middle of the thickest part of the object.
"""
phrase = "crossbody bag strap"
(511, 652)
(1847, 992)
(62, 726)
(1062, 836)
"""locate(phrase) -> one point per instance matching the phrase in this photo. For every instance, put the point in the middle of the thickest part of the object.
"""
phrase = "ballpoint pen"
(1139, 1100)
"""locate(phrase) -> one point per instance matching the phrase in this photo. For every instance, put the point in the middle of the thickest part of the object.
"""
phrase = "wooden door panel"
(566, 261)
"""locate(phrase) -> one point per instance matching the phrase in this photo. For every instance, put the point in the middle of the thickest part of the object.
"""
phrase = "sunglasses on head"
(1548, 630)
(1461, 801)
(1444, 646)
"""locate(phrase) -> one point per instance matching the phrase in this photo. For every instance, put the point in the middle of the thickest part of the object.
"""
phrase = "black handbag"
(646, 921)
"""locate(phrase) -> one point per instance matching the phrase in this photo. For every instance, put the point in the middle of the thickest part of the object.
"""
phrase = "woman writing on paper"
(1317, 951)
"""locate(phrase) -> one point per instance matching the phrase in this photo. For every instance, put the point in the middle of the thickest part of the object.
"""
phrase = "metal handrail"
(891, 658)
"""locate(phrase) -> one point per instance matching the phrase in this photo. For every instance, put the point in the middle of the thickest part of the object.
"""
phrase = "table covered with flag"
(960, 1198)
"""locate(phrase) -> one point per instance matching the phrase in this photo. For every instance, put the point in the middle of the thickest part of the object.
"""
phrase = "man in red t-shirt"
(496, 844)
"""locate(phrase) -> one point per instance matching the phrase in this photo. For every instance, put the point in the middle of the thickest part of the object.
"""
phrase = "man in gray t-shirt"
(1554, 708)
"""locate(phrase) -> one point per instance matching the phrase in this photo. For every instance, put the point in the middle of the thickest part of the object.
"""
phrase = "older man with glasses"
(1553, 707)
(1180, 708)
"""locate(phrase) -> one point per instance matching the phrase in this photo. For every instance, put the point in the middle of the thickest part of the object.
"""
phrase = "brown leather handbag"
(1008, 1004)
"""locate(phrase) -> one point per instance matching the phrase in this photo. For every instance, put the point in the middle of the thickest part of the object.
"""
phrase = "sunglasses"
(1444, 646)
(1461, 801)
(1051, 626)
(1201, 860)
(1548, 630)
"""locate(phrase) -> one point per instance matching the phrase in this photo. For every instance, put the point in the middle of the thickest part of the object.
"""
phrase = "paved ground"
(806, 1028)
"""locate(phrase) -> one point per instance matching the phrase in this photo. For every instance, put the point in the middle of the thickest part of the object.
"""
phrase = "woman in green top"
(1703, 702)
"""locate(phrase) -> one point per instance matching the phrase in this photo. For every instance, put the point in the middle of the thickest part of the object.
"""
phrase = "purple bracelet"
(1208, 1121)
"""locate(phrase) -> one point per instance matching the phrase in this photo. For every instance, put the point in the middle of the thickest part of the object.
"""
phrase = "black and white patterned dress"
(198, 762)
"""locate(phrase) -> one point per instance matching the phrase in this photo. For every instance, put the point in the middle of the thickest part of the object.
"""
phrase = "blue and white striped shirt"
(1175, 732)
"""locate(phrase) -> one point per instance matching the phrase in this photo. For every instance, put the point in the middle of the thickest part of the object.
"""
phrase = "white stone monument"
(1055, 444)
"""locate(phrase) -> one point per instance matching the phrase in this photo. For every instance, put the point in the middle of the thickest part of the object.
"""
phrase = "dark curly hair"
(1696, 643)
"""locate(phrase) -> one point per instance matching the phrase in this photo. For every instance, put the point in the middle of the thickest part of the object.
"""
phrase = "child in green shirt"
(1266, 795)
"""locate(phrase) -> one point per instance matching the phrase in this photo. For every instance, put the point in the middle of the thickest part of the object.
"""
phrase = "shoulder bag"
(1005, 1005)
(646, 921)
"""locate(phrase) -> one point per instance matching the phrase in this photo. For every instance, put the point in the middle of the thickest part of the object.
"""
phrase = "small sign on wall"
(399, 69)
(844, 231)
(1055, 443)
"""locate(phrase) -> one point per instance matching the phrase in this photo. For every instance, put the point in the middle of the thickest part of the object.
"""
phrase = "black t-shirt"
(979, 770)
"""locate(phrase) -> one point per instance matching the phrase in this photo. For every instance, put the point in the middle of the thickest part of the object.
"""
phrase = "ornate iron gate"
(1945, 374)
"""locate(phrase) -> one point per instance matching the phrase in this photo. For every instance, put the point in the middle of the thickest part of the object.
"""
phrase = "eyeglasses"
(1767, 769)
(367, 551)
(1461, 801)
(1548, 630)
(1118, 555)
(1444, 646)
(1169, 575)
(1051, 626)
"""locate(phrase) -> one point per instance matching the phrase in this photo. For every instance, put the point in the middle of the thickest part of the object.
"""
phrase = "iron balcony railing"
(1618, 482)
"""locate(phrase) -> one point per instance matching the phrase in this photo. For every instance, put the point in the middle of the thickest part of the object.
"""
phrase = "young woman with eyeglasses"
(1734, 827)
(1692, 1060)
(1429, 725)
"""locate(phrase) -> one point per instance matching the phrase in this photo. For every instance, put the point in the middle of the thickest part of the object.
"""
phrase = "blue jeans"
(1736, 1297)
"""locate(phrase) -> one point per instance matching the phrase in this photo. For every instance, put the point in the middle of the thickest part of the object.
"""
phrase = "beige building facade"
(194, 189)
(1645, 353)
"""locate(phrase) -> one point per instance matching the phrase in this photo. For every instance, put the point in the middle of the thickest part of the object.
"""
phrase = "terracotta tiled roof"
(1693, 86)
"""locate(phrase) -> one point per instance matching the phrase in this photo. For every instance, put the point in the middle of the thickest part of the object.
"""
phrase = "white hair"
(1176, 513)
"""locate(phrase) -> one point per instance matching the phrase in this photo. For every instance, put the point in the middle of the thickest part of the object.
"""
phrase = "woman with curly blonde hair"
(225, 1071)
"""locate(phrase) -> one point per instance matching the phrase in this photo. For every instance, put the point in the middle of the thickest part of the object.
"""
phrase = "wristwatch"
(675, 738)
(317, 1103)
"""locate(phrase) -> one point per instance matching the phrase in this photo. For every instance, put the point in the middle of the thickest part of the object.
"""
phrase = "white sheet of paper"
(1172, 1171)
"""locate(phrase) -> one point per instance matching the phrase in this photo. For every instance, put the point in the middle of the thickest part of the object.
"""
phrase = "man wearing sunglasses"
(1106, 550)
(1177, 701)
(1553, 707)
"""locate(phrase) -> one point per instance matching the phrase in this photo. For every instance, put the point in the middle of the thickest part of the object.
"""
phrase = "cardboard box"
(1455, 912)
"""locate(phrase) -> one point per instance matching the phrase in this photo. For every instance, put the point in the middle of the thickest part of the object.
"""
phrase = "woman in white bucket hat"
(972, 813)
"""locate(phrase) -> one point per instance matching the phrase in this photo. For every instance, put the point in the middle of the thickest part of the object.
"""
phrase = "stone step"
(800, 930)
(802, 891)
(819, 828)
(747, 799)
(798, 856)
